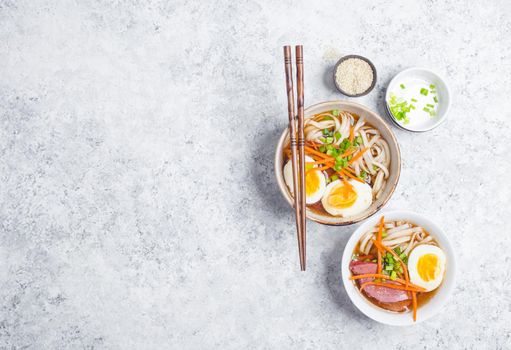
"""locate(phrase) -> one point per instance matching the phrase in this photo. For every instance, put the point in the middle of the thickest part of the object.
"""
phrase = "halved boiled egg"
(315, 181)
(347, 198)
(426, 266)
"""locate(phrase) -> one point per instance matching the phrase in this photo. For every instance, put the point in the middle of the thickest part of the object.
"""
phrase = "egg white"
(413, 259)
(288, 179)
(363, 201)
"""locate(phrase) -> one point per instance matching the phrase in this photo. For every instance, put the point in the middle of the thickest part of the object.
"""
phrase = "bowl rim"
(387, 317)
(365, 59)
(283, 186)
(441, 118)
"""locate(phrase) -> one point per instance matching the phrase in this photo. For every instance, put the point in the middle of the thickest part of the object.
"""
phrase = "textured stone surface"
(138, 207)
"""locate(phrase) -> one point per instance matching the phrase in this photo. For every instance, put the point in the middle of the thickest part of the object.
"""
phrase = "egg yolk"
(342, 196)
(428, 267)
(311, 183)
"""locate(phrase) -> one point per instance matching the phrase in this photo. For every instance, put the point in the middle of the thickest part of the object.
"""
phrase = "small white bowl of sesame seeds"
(354, 75)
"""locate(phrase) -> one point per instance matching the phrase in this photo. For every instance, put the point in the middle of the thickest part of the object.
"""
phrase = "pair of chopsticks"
(297, 148)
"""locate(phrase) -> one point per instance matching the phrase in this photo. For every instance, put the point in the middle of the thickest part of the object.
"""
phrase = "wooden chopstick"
(301, 143)
(294, 153)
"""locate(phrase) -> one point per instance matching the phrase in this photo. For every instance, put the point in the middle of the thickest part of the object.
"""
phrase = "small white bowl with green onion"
(417, 99)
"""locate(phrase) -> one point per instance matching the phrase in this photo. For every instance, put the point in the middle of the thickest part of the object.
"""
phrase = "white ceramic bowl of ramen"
(394, 169)
(434, 303)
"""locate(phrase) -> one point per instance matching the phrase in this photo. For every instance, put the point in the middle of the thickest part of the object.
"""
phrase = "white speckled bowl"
(427, 310)
(395, 161)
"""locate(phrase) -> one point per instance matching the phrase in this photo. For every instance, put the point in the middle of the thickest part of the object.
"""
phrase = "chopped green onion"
(389, 268)
(363, 175)
(402, 256)
(337, 135)
(327, 118)
(426, 109)
(432, 86)
(384, 234)
(412, 106)
(414, 100)
(337, 167)
(329, 139)
(334, 177)
(336, 112)
(430, 105)
(322, 149)
(399, 108)
(424, 92)
(329, 152)
(325, 132)
(322, 139)
(397, 250)
(435, 99)
(393, 275)
(309, 166)
(402, 86)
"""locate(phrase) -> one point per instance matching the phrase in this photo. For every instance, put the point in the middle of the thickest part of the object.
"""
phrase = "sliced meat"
(386, 295)
(387, 298)
(363, 267)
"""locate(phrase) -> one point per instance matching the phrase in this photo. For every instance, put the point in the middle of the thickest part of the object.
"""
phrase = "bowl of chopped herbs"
(417, 99)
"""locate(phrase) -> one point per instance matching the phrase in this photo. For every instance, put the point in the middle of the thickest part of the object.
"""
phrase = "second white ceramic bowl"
(442, 90)
(427, 310)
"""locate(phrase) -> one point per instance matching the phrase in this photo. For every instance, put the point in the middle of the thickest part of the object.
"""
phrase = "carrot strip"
(385, 248)
(359, 154)
(351, 134)
(321, 161)
(388, 285)
(319, 154)
(382, 276)
(414, 303)
(346, 174)
(349, 152)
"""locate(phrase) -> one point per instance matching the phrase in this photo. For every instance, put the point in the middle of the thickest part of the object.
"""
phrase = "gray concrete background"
(138, 206)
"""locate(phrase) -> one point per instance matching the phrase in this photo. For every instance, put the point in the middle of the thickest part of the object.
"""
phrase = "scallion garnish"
(414, 100)
(402, 86)
(393, 275)
(424, 91)
(430, 105)
(336, 112)
(435, 99)
(337, 135)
